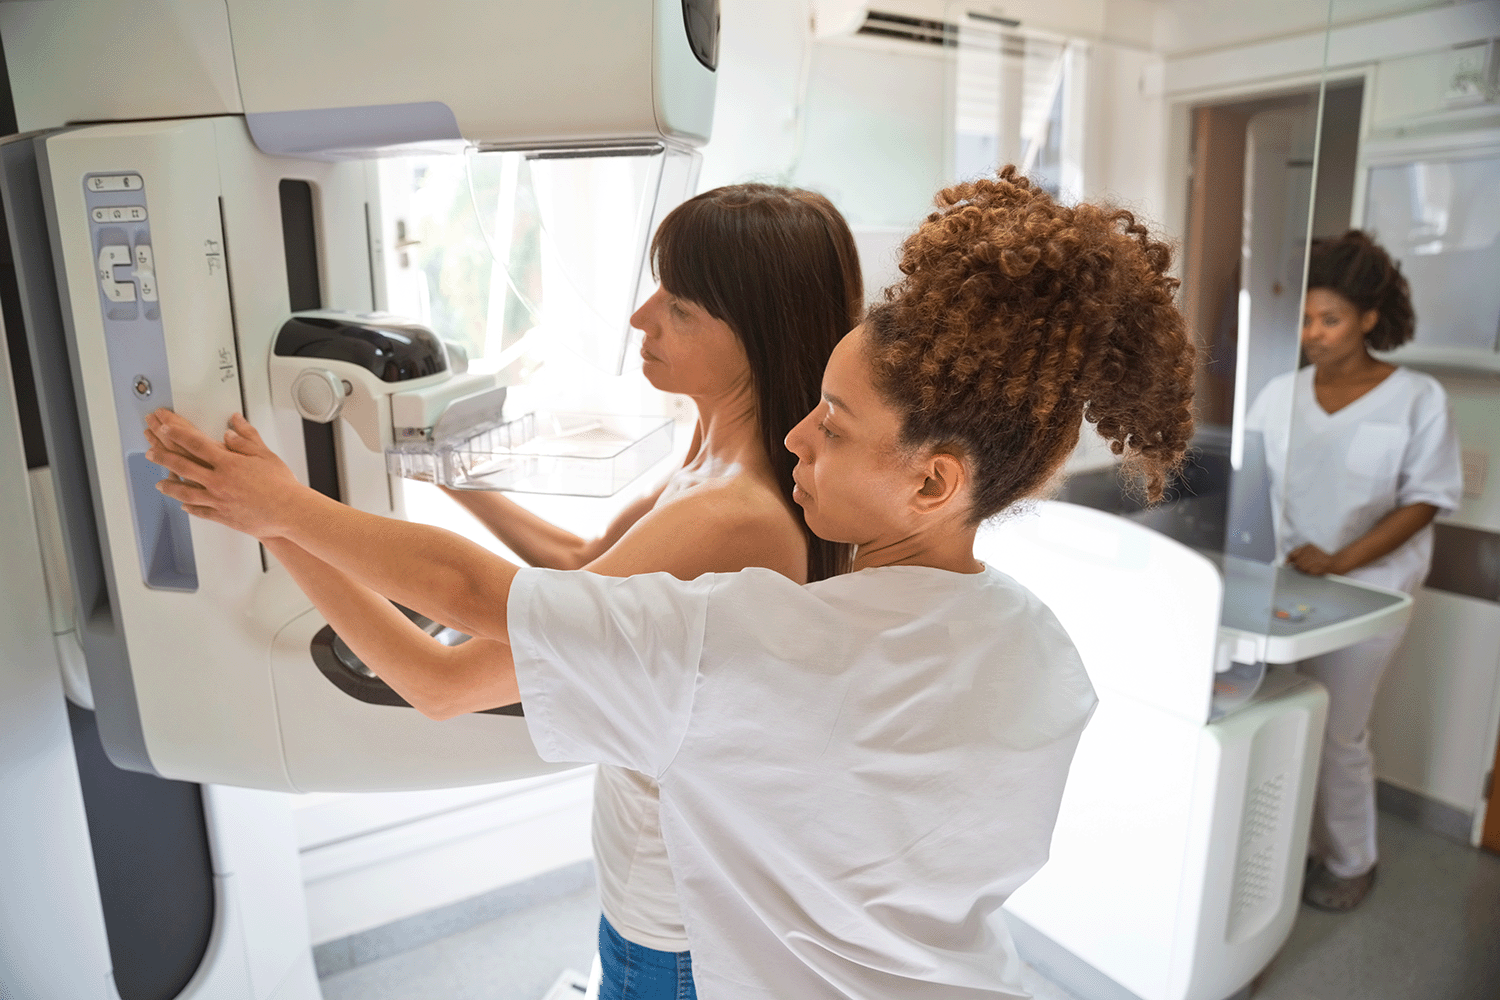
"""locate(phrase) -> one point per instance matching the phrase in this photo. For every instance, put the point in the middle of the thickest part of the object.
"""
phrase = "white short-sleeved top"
(854, 774)
(1335, 475)
(636, 890)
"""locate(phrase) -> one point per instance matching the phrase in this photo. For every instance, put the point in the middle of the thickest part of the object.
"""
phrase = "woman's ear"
(945, 477)
(1368, 319)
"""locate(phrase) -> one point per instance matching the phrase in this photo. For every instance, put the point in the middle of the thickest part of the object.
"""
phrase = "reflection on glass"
(1278, 189)
(1265, 171)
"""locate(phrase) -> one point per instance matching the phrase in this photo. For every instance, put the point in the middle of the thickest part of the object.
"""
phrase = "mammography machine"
(193, 221)
(1176, 865)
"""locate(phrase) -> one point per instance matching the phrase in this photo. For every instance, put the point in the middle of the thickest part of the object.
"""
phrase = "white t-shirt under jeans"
(854, 774)
(636, 889)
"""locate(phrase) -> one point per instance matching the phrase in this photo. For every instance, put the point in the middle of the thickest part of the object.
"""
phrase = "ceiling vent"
(923, 31)
(880, 24)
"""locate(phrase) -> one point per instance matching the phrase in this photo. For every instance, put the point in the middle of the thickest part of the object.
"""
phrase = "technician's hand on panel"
(241, 483)
(352, 564)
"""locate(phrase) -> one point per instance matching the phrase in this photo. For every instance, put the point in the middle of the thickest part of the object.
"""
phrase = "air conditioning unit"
(921, 22)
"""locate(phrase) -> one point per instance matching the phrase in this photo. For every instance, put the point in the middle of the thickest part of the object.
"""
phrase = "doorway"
(1259, 151)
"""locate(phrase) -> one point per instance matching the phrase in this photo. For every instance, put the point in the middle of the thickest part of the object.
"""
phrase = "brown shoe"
(1325, 891)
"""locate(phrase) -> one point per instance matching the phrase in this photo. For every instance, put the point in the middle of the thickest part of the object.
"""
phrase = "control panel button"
(119, 291)
(119, 213)
(115, 182)
(117, 255)
(145, 271)
(116, 290)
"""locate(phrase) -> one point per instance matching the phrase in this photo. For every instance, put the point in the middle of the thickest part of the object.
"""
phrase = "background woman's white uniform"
(854, 774)
(1333, 477)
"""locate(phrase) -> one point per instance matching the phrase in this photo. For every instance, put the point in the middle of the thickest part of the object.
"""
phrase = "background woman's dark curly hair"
(1359, 269)
(1018, 319)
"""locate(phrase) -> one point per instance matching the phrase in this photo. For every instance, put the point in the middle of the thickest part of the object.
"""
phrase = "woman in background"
(1362, 456)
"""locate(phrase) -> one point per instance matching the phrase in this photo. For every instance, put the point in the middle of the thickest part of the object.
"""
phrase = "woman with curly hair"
(854, 773)
(1362, 456)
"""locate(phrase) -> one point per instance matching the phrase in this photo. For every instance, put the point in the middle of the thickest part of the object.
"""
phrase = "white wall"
(368, 860)
(864, 124)
(868, 124)
(763, 49)
(877, 129)
(1125, 150)
(1186, 26)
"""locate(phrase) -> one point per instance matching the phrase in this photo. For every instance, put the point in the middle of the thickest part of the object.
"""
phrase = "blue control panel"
(125, 278)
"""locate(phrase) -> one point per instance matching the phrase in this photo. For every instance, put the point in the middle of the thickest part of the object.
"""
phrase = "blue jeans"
(635, 972)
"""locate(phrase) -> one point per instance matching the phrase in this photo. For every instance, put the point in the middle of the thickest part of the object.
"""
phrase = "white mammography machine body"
(1176, 864)
(159, 259)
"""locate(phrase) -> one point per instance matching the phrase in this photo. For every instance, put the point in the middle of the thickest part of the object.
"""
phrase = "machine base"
(1072, 973)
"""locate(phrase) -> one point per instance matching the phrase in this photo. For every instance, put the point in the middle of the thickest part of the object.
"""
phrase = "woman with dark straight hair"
(784, 275)
(758, 283)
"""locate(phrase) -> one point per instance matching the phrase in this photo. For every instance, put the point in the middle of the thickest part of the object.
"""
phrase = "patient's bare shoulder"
(718, 526)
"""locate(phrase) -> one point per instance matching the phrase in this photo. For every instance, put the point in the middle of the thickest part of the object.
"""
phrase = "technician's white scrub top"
(855, 774)
(1335, 475)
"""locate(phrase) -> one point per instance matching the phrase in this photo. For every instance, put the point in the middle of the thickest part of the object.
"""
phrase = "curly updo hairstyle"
(1018, 319)
(1359, 269)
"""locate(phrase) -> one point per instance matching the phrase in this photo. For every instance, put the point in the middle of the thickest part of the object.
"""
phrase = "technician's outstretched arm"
(242, 484)
(437, 680)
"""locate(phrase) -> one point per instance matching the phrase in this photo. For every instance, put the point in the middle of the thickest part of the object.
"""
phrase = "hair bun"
(1018, 319)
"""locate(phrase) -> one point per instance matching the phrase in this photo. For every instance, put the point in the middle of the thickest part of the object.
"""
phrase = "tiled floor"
(517, 957)
(1429, 931)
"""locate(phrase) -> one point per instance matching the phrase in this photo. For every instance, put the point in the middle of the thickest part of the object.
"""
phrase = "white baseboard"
(402, 866)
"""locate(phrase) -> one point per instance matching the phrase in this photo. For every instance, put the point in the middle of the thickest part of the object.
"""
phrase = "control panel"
(125, 274)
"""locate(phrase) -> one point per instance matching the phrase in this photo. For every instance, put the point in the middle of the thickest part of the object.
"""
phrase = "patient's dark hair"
(1020, 318)
(779, 267)
(1359, 269)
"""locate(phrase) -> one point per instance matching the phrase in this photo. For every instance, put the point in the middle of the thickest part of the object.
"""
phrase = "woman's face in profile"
(852, 479)
(688, 351)
(1333, 328)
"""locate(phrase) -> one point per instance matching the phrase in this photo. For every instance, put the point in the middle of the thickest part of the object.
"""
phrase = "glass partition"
(1398, 436)
(533, 262)
(1014, 96)
(1263, 146)
(501, 250)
